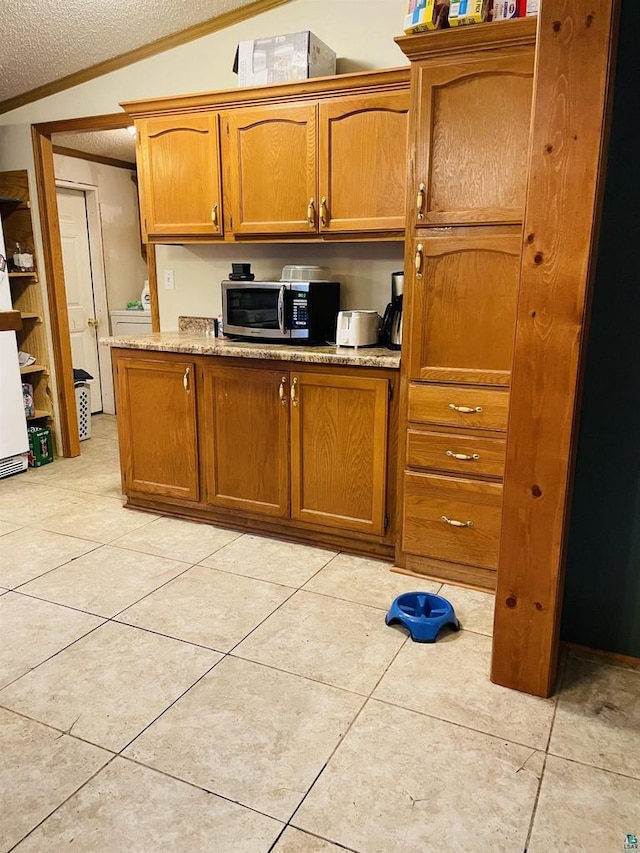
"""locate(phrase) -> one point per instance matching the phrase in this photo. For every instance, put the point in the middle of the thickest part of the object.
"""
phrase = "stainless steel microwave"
(297, 312)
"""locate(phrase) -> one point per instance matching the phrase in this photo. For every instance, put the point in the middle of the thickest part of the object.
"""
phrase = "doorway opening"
(85, 273)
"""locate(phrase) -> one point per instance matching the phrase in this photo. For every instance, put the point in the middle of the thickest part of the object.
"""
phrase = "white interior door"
(83, 329)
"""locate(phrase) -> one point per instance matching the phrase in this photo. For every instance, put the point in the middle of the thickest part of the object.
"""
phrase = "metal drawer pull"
(294, 386)
(281, 394)
(420, 201)
(455, 523)
(185, 379)
(324, 212)
(311, 213)
(463, 457)
(465, 409)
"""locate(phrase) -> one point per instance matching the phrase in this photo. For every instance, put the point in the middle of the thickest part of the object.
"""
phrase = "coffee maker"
(391, 334)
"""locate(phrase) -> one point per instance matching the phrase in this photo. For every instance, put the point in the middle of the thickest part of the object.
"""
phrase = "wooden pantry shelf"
(33, 368)
(38, 415)
(33, 275)
(10, 321)
(29, 315)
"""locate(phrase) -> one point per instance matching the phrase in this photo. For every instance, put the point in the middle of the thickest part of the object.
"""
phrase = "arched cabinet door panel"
(471, 155)
(362, 162)
(271, 159)
(180, 186)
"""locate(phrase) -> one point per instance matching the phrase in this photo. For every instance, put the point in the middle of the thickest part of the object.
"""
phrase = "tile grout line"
(536, 800)
(66, 799)
(368, 698)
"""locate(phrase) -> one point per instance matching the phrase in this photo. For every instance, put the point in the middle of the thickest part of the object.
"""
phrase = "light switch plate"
(169, 281)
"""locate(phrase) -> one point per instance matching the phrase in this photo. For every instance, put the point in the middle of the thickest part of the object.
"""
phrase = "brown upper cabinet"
(325, 158)
(272, 169)
(471, 156)
(180, 188)
(363, 163)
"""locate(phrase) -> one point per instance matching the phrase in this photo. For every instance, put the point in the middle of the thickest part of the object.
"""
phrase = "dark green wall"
(602, 592)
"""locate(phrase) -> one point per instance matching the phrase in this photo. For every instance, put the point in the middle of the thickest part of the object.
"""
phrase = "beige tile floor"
(169, 686)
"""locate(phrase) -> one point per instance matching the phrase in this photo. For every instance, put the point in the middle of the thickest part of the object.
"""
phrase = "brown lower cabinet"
(157, 426)
(303, 451)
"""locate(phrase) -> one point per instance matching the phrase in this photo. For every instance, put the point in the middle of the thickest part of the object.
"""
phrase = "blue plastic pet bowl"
(423, 614)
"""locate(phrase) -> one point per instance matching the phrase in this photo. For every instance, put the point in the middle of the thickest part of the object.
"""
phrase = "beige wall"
(363, 269)
(125, 269)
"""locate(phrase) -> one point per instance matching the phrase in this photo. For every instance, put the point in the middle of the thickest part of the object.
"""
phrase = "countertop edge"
(194, 343)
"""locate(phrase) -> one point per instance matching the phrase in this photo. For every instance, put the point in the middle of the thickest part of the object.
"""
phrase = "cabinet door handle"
(281, 391)
(420, 201)
(324, 212)
(462, 457)
(418, 260)
(454, 523)
(465, 409)
(311, 213)
(214, 216)
(185, 379)
(294, 391)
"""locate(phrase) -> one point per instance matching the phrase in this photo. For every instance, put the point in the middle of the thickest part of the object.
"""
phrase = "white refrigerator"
(14, 444)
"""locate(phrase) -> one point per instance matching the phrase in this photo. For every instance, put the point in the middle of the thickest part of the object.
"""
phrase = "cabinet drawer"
(459, 454)
(430, 499)
(458, 406)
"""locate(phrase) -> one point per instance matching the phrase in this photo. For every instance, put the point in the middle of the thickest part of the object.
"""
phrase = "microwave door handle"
(281, 323)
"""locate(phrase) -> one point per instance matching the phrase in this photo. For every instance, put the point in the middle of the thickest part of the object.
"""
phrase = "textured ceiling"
(117, 144)
(44, 40)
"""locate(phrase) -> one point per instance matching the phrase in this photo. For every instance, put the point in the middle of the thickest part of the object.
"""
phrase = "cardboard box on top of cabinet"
(283, 59)
(506, 9)
(425, 15)
(468, 12)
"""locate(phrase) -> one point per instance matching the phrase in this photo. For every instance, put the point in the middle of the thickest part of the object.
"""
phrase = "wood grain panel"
(339, 450)
(472, 149)
(429, 499)
(362, 162)
(272, 153)
(245, 439)
(159, 453)
(568, 147)
(465, 293)
(432, 404)
(484, 457)
(180, 159)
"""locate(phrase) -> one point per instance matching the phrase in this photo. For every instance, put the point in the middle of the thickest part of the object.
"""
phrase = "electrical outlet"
(169, 281)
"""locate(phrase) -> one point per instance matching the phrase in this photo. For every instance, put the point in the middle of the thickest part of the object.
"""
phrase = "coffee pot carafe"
(391, 335)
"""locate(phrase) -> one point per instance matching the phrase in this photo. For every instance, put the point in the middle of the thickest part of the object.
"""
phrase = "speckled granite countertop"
(203, 343)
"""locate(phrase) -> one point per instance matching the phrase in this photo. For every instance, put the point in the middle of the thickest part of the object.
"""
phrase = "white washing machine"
(130, 323)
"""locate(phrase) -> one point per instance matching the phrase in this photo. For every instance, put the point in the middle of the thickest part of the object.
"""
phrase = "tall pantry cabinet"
(471, 95)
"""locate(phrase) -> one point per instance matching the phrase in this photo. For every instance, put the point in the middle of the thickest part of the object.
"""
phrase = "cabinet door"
(339, 450)
(363, 162)
(245, 439)
(272, 165)
(180, 183)
(157, 427)
(472, 127)
(463, 293)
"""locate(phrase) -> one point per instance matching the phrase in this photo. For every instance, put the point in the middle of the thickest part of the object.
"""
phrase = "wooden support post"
(576, 40)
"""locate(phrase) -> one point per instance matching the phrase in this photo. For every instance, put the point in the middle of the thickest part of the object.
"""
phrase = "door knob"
(91, 321)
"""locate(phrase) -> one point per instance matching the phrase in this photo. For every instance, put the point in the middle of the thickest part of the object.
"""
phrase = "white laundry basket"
(83, 406)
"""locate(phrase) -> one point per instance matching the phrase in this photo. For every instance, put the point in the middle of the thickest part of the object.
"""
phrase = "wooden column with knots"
(572, 86)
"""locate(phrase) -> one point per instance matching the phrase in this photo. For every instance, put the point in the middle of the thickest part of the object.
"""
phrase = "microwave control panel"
(299, 309)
